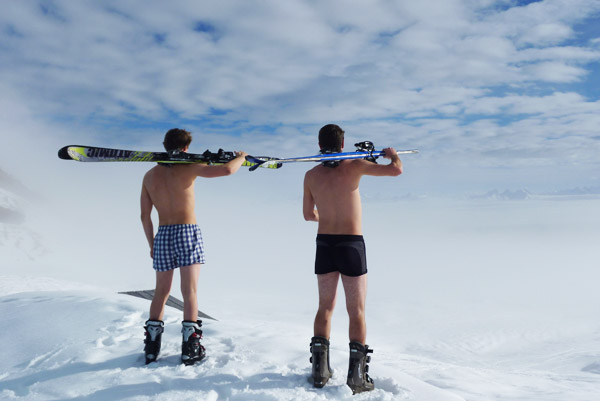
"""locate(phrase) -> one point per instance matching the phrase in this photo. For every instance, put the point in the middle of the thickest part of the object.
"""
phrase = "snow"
(475, 300)
(92, 351)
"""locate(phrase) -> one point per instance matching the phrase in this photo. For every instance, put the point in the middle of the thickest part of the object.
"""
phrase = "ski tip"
(252, 159)
(400, 152)
(68, 152)
(258, 162)
(63, 153)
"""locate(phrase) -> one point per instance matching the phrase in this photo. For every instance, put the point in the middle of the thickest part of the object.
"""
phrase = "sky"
(496, 94)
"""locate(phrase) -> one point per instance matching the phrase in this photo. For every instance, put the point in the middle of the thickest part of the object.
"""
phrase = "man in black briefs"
(332, 198)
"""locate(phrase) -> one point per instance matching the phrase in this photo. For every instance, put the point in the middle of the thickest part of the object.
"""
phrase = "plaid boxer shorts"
(176, 246)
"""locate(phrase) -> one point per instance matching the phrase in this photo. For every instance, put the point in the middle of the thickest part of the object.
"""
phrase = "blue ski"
(364, 150)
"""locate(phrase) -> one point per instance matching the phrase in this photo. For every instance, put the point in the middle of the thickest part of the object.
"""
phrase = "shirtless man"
(178, 243)
(333, 190)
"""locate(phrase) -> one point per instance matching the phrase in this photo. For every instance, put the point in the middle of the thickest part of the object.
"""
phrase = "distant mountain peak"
(523, 194)
(519, 194)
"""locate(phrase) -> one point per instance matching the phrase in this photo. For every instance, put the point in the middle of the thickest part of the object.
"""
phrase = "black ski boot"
(191, 349)
(358, 377)
(154, 330)
(321, 372)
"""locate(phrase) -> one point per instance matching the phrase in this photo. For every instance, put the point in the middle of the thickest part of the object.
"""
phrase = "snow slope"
(92, 351)
(87, 346)
(476, 301)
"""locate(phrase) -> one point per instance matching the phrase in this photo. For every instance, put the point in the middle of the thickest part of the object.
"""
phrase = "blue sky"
(496, 94)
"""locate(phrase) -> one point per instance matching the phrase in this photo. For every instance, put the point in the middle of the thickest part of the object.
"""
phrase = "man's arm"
(229, 168)
(308, 203)
(145, 215)
(394, 168)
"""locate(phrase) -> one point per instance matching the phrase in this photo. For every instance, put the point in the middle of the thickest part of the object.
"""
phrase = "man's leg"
(161, 294)
(355, 289)
(189, 289)
(191, 349)
(327, 295)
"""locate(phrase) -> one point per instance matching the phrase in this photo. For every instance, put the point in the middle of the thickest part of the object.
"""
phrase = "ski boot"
(321, 372)
(358, 377)
(191, 349)
(154, 330)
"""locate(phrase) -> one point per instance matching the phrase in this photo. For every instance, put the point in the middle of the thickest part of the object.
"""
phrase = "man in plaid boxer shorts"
(178, 243)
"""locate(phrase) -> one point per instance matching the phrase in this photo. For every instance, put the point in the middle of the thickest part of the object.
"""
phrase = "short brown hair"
(331, 137)
(177, 139)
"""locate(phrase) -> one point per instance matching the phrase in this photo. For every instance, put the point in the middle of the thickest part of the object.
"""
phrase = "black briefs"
(343, 253)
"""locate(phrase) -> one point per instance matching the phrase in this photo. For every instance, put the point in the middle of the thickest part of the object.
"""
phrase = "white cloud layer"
(475, 82)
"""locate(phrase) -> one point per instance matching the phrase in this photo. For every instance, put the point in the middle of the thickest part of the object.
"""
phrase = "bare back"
(171, 191)
(337, 198)
(334, 192)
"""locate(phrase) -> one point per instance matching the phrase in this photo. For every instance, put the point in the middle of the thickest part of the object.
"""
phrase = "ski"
(364, 150)
(171, 301)
(96, 154)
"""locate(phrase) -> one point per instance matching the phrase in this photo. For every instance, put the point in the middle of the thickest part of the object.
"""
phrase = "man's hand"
(393, 169)
(389, 153)
(222, 170)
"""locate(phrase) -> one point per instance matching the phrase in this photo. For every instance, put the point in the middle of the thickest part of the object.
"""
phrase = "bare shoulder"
(313, 172)
(365, 167)
(359, 166)
(149, 174)
(358, 163)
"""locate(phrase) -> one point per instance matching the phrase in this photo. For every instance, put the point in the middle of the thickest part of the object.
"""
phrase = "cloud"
(194, 61)
(444, 75)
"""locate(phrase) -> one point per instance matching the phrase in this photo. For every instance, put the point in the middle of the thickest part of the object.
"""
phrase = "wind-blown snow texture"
(478, 302)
